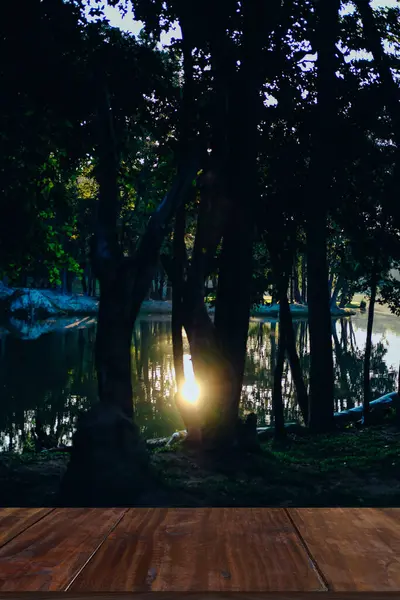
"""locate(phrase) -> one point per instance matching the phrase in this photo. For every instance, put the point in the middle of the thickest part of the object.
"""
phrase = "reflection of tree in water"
(52, 378)
(154, 380)
(258, 381)
(349, 360)
(348, 365)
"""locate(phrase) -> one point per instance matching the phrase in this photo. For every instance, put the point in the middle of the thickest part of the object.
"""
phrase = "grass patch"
(350, 468)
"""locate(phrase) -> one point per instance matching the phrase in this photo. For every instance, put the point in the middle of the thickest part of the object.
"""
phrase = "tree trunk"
(397, 415)
(113, 343)
(344, 294)
(336, 291)
(296, 286)
(368, 347)
(340, 360)
(84, 284)
(291, 287)
(277, 400)
(321, 369)
(233, 302)
(286, 325)
(108, 460)
(177, 291)
(303, 279)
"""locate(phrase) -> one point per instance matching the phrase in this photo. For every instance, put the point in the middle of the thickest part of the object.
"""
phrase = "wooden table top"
(247, 550)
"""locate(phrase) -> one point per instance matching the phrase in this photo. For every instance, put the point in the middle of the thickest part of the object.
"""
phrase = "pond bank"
(352, 467)
(27, 303)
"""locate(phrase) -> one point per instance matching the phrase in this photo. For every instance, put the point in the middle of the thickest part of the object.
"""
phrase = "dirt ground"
(351, 468)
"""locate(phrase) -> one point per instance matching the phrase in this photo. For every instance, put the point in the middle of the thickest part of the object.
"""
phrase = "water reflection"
(50, 379)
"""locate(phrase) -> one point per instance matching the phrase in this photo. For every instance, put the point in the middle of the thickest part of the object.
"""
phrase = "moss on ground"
(351, 468)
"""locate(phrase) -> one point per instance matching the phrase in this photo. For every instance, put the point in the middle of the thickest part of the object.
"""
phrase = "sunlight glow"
(190, 390)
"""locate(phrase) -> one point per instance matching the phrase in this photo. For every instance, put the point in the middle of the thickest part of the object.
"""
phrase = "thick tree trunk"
(113, 343)
(233, 302)
(319, 317)
(368, 348)
(108, 461)
(321, 370)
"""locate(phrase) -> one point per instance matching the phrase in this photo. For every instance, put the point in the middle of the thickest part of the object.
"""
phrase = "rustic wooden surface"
(49, 554)
(206, 549)
(124, 553)
(14, 521)
(356, 549)
(200, 596)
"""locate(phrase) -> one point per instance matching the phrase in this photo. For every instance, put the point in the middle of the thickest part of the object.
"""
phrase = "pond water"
(53, 378)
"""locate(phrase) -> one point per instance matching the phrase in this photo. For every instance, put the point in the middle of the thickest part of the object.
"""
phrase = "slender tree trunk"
(177, 291)
(291, 281)
(303, 279)
(84, 284)
(321, 370)
(296, 286)
(286, 329)
(336, 291)
(397, 415)
(340, 360)
(277, 400)
(344, 294)
(368, 347)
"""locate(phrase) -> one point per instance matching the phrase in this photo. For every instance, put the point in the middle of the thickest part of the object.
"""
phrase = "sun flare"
(190, 391)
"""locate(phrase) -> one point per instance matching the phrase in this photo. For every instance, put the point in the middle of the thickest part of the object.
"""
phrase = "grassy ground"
(352, 468)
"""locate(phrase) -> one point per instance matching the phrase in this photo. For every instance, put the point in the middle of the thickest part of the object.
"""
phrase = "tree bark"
(179, 251)
(397, 415)
(344, 294)
(336, 291)
(303, 279)
(233, 302)
(277, 400)
(124, 282)
(321, 369)
(296, 287)
(368, 348)
(286, 323)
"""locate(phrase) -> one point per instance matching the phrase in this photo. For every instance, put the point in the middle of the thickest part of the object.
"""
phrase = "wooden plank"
(356, 549)
(200, 550)
(49, 554)
(202, 596)
(15, 520)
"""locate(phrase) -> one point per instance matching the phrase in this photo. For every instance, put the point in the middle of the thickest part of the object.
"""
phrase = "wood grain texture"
(199, 550)
(202, 596)
(355, 549)
(49, 554)
(15, 520)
